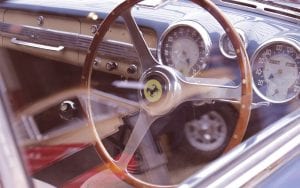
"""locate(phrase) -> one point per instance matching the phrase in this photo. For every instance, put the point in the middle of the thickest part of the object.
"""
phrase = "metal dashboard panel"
(59, 23)
(118, 34)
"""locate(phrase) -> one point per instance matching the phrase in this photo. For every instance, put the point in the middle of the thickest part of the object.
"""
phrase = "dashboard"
(44, 46)
(191, 42)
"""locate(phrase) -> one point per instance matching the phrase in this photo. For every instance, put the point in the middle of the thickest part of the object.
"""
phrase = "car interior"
(154, 93)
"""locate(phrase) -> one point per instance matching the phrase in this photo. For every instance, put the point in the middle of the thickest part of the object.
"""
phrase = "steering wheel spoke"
(140, 129)
(209, 89)
(145, 56)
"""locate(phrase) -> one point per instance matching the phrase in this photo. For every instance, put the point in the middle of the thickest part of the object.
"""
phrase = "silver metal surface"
(50, 37)
(261, 8)
(256, 158)
(178, 89)
(35, 45)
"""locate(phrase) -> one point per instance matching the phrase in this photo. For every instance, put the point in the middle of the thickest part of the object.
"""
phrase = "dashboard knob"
(40, 20)
(132, 69)
(110, 66)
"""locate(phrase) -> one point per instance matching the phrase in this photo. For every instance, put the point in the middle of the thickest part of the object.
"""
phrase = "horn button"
(161, 90)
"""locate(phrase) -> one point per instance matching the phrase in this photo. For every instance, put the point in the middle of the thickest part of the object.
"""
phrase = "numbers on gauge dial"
(184, 50)
(276, 72)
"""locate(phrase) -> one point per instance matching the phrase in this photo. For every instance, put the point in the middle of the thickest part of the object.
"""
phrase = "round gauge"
(276, 70)
(185, 46)
(226, 46)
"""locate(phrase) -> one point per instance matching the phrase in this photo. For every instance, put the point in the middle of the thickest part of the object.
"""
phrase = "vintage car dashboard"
(65, 32)
(44, 44)
(178, 33)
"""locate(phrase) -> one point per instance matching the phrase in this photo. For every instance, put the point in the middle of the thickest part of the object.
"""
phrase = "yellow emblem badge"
(153, 90)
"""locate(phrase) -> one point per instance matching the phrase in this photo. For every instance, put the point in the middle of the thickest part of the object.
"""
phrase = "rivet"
(244, 81)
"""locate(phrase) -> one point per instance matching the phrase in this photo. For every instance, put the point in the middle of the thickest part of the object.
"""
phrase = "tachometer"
(185, 46)
(276, 70)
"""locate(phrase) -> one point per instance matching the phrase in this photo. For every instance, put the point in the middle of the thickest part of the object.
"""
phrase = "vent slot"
(240, 3)
(268, 7)
(286, 13)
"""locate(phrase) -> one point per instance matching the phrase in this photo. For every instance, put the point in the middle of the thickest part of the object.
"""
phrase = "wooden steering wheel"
(174, 88)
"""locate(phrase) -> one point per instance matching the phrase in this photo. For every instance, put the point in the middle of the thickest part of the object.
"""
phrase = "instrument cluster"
(185, 47)
(276, 70)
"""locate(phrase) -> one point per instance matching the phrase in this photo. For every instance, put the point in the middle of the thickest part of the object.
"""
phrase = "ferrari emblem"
(153, 90)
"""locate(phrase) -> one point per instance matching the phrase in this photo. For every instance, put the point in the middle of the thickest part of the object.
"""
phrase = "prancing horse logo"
(153, 90)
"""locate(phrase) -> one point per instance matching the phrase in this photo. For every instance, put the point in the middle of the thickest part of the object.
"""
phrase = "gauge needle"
(271, 76)
(188, 61)
(275, 92)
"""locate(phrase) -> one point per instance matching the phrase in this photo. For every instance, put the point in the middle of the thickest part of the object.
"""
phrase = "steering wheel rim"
(246, 86)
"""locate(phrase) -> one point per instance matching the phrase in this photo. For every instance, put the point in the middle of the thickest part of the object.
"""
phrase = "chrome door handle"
(35, 45)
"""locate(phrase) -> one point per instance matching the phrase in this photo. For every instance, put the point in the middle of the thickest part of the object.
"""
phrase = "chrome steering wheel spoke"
(209, 89)
(145, 56)
(140, 129)
(166, 88)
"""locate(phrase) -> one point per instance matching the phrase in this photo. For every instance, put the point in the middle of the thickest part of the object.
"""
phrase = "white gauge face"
(184, 49)
(184, 56)
(276, 72)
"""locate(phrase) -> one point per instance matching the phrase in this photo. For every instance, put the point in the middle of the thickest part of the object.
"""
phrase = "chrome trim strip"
(35, 45)
(38, 37)
(262, 9)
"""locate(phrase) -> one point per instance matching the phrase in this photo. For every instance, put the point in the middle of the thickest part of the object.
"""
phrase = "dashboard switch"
(40, 20)
(110, 66)
(132, 69)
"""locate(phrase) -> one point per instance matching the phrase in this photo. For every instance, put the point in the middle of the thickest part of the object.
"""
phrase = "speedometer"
(276, 70)
(185, 46)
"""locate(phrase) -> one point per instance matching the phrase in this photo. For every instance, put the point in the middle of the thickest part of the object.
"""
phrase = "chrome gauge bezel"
(262, 47)
(221, 43)
(187, 23)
